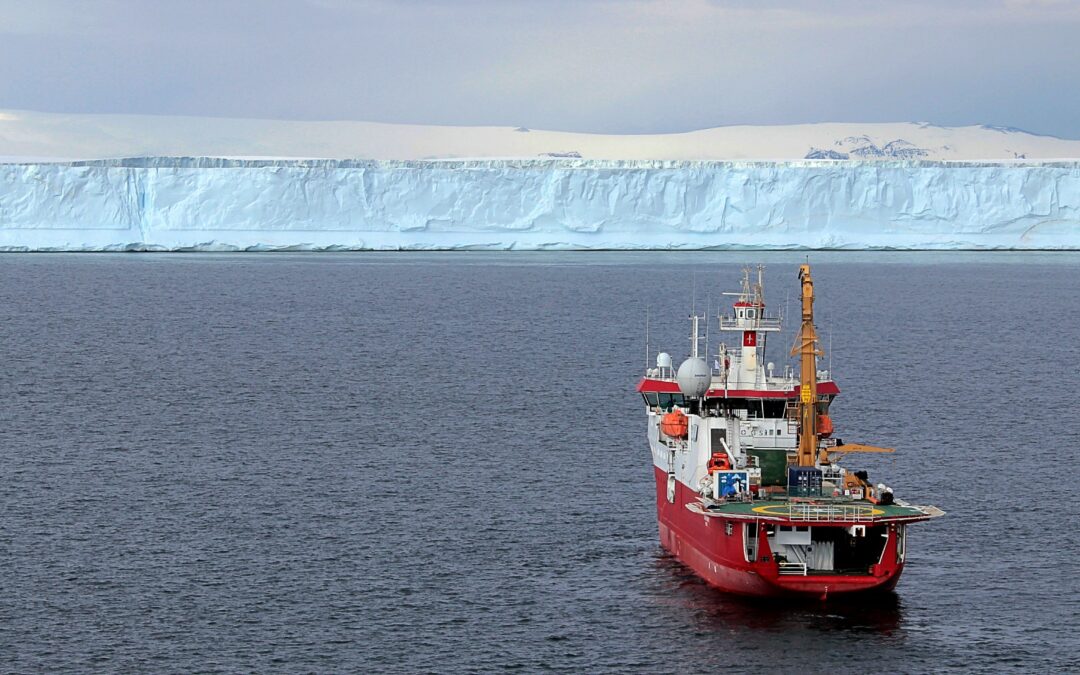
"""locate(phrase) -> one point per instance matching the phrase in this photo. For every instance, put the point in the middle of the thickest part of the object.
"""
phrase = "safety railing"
(793, 568)
(821, 512)
(732, 323)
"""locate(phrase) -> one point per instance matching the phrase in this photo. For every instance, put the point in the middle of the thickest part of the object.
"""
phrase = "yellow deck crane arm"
(832, 455)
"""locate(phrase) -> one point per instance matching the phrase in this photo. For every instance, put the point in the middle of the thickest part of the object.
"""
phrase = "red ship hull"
(713, 547)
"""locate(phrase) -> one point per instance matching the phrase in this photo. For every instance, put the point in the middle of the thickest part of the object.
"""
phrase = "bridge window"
(667, 401)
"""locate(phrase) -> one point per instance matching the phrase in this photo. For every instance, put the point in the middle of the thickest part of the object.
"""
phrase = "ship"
(751, 489)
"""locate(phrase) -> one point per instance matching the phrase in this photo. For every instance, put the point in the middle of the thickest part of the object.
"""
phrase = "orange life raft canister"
(674, 424)
(719, 462)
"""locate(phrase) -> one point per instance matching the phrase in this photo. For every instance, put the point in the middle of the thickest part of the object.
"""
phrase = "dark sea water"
(421, 462)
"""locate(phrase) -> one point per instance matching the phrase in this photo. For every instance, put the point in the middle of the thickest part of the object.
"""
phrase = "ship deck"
(816, 511)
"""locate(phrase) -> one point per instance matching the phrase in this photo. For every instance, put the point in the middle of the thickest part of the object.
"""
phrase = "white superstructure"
(747, 411)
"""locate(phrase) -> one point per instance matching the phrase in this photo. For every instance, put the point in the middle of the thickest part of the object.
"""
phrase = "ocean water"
(437, 462)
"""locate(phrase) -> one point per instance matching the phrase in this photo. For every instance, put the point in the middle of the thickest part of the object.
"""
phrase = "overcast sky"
(616, 66)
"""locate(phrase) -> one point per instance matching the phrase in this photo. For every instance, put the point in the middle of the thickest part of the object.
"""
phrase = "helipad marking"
(785, 511)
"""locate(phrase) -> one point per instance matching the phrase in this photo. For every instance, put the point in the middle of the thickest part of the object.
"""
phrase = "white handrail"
(819, 512)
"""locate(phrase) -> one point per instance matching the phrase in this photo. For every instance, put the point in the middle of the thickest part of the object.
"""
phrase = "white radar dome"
(694, 377)
(663, 360)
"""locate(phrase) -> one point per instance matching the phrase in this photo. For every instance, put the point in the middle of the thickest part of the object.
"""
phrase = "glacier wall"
(163, 203)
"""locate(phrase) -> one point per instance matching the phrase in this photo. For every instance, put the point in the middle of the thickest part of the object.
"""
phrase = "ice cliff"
(166, 203)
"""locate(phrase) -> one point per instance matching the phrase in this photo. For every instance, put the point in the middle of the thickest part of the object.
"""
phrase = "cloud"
(599, 65)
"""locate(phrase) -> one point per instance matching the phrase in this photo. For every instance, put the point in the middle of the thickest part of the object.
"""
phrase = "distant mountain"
(818, 153)
(863, 147)
(46, 135)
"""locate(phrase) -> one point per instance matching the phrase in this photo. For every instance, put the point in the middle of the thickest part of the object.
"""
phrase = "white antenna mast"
(693, 292)
(694, 316)
(708, 306)
(694, 340)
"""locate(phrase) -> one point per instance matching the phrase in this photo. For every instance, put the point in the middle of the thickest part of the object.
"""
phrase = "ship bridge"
(664, 392)
(738, 375)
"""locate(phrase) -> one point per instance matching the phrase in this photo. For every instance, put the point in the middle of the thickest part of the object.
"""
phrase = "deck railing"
(765, 323)
(819, 512)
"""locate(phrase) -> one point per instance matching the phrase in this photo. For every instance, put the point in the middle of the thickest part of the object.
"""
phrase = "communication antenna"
(765, 348)
(708, 307)
(693, 292)
(694, 318)
(695, 337)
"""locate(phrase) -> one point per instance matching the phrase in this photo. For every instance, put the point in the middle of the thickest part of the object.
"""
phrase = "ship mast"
(807, 350)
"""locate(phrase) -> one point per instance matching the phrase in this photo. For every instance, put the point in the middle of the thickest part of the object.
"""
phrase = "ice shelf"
(193, 203)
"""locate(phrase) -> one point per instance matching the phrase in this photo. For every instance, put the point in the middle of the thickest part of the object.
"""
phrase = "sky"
(603, 66)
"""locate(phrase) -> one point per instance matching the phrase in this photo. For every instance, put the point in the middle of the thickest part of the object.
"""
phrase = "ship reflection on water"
(722, 613)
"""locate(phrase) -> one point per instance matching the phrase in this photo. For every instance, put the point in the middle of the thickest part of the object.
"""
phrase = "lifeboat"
(674, 424)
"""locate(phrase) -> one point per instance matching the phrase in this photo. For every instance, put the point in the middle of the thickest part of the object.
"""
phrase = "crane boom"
(806, 347)
(832, 455)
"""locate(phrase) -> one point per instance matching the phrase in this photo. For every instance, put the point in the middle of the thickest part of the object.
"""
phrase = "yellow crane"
(832, 455)
(806, 348)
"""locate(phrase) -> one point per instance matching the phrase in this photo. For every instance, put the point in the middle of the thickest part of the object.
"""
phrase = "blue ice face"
(207, 203)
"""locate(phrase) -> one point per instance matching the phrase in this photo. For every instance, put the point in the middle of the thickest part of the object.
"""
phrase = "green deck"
(822, 511)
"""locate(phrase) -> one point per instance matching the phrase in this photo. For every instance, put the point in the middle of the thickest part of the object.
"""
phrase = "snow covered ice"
(226, 184)
(219, 204)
